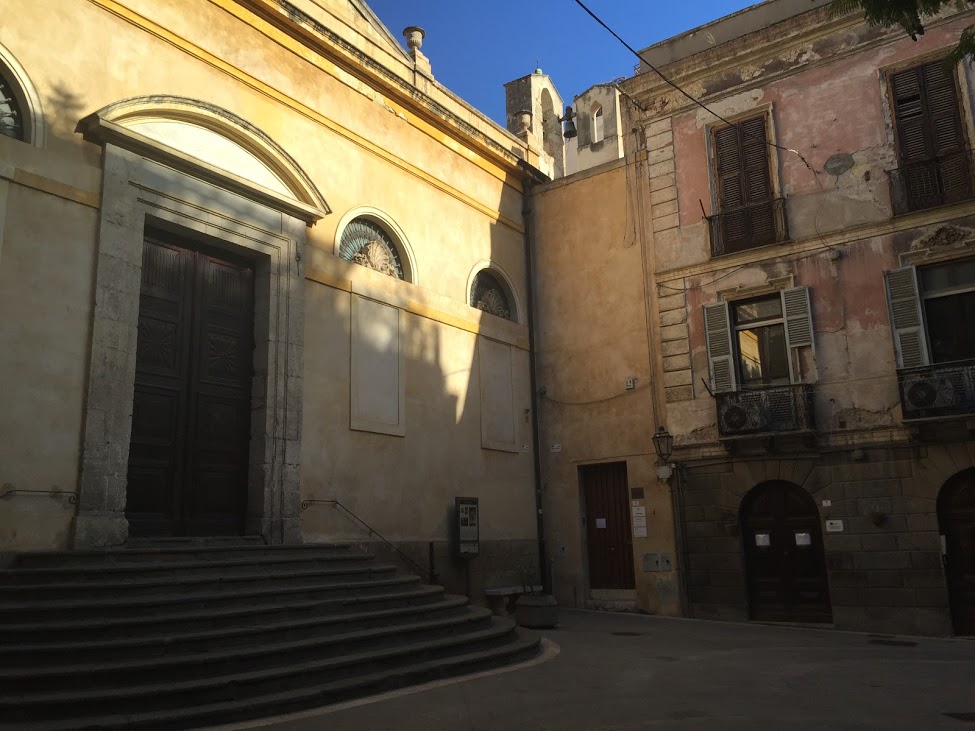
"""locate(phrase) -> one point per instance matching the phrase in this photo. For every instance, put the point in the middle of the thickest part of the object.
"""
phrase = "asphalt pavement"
(605, 671)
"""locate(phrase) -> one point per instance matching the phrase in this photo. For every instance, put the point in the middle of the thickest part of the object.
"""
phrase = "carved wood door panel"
(784, 555)
(956, 517)
(188, 456)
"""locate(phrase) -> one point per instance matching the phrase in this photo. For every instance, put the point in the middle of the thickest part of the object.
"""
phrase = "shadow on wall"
(404, 413)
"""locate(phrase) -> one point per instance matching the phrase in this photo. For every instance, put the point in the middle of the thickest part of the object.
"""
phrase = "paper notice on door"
(803, 539)
(640, 531)
(600, 522)
(639, 510)
(763, 540)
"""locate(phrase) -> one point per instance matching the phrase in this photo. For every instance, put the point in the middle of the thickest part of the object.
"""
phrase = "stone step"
(80, 671)
(207, 581)
(104, 572)
(175, 692)
(106, 606)
(245, 614)
(299, 697)
(154, 643)
(175, 552)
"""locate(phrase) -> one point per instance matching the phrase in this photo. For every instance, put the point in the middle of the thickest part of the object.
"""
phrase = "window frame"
(723, 353)
(737, 327)
(775, 199)
(912, 339)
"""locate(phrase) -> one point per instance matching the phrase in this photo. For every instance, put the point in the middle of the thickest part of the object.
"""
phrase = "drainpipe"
(532, 176)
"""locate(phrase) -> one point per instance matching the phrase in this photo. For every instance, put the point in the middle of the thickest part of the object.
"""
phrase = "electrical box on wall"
(467, 527)
(630, 383)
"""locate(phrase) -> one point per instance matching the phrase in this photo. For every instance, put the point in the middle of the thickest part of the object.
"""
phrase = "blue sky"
(476, 46)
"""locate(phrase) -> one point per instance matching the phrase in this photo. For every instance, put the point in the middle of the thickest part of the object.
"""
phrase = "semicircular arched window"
(11, 115)
(366, 243)
(490, 293)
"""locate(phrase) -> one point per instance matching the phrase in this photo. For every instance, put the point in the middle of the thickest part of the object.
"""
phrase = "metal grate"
(365, 242)
(489, 294)
(748, 227)
(938, 181)
(11, 115)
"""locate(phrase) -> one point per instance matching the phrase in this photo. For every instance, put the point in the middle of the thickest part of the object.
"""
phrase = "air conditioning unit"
(932, 391)
(741, 413)
(768, 410)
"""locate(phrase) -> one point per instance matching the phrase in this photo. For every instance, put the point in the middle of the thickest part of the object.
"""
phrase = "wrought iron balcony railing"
(775, 410)
(744, 228)
(938, 391)
(917, 185)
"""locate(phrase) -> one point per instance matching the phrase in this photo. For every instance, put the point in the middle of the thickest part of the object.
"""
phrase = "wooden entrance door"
(188, 455)
(956, 517)
(784, 557)
(608, 526)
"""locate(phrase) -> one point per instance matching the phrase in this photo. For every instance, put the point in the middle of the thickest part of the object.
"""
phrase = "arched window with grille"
(11, 115)
(491, 293)
(367, 242)
(20, 106)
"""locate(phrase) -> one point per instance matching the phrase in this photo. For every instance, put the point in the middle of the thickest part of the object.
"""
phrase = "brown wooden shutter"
(909, 113)
(744, 182)
(926, 110)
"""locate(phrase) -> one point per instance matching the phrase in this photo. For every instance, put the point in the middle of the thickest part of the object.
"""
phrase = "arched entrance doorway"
(956, 517)
(784, 558)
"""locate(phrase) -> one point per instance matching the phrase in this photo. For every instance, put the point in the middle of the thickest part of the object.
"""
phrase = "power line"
(698, 102)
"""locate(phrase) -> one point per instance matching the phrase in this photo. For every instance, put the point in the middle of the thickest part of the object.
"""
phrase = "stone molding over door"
(140, 194)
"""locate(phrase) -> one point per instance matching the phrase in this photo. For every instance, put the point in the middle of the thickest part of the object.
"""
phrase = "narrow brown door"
(956, 516)
(191, 409)
(608, 526)
(784, 555)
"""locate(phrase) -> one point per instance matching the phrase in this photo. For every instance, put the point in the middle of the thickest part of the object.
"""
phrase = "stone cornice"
(692, 73)
(824, 242)
(317, 37)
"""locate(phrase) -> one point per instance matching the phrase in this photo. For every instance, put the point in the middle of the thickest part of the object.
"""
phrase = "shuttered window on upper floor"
(747, 214)
(926, 112)
(934, 167)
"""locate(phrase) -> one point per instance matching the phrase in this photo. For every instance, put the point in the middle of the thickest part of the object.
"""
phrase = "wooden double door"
(188, 456)
(785, 561)
(956, 518)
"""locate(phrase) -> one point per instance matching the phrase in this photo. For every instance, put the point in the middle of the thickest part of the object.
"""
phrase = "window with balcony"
(747, 213)
(934, 165)
(754, 365)
(932, 314)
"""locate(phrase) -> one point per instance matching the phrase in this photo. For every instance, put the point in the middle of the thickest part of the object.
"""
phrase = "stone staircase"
(185, 636)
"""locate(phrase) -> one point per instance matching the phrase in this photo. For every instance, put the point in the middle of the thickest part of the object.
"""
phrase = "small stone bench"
(501, 600)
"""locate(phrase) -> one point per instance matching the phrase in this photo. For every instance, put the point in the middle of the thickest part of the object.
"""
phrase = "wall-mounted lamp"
(663, 444)
(570, 126)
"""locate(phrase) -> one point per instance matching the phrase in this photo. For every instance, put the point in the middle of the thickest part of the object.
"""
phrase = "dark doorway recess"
(608, 525)
(784, 557)
(188, 456)
(956, 518)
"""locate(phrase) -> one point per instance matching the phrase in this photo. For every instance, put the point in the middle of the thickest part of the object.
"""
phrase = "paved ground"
(619, 672)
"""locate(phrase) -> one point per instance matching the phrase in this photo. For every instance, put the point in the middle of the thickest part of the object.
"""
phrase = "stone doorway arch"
(956, 520)
(785, 566)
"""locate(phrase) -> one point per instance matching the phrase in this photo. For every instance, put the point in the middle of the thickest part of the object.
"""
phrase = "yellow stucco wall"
(456, 199)
(593, 337)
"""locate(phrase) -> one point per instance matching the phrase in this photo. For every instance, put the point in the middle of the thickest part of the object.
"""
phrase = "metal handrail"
(747, 227)
(72, 496)
(305, 504)
(916, 185)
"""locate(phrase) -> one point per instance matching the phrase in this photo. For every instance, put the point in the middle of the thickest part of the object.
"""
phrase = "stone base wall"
(501, 563)
(884, 569)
